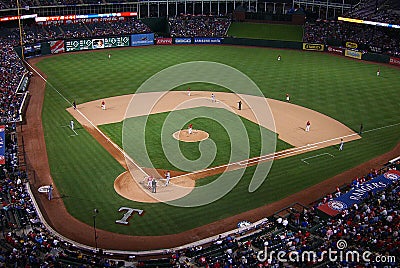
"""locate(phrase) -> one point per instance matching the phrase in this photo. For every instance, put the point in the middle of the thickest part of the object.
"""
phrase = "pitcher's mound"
(197, 135)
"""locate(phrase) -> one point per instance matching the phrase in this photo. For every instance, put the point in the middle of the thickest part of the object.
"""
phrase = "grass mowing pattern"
(266, 31)
(206, 119)
(347, 90)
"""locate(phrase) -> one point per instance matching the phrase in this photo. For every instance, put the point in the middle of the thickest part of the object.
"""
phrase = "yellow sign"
(313, 47)
(353, 54)
(351, 45)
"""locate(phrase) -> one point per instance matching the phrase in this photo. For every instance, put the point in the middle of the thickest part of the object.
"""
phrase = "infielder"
(103, 105)
(190, 129)
(308, 125)
(212, 97)
(188, 91)
(167, 177)
(71, 124)
(287, 97)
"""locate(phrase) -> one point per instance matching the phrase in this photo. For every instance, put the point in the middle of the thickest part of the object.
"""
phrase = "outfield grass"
(347, 90)
(282, 32)
(215, 121)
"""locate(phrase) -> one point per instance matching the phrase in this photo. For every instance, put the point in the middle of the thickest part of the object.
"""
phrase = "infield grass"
(347, 90)
(222, 126)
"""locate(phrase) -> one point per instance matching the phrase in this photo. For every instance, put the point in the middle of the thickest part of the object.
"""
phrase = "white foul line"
(90, 122)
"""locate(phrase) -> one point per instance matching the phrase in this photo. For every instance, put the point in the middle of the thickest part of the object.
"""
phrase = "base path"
(286, 119)
(59, 219)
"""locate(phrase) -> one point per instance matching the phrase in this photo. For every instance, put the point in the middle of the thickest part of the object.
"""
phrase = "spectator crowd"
(385, 39)
(191, 26)
(373, 225)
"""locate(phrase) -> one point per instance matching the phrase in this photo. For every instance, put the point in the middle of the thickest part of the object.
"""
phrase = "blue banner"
(183, 41)
(357, 195)
(207, 40)
(2, 145)
(142, 39)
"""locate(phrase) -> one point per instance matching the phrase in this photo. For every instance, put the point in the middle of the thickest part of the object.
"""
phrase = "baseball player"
(74, 105)
(109, 55)
(149, 180)
(279, 57)
(378, 73)
(103, 105)
(188, 91)
(50, 192)
(239, 105)
(308, 125)
(341, 145)
(154, 185)
(190, 129)
(71, 124)
(287, 97)
(167, 177)
(212, 97)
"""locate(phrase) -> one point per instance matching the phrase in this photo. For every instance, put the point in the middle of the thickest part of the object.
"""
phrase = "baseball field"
(84, 165)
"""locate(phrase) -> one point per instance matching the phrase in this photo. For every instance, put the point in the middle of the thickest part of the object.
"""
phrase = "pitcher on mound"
(190, 129)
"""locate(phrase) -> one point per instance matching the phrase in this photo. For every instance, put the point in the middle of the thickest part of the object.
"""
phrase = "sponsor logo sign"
(358, 194)
(351, 45)
(164, 41)
(313, 47)
(88, 44)
(353, 54)
(336, 50)
(57, 47)
(142, 39)
(183, 40)
(207, 40)
(394, 61)
(375, 49)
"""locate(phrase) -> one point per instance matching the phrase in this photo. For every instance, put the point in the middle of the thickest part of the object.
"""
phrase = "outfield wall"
(351, 50)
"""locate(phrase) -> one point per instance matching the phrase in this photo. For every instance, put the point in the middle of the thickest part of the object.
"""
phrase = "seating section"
(191, 26)
(334, 33)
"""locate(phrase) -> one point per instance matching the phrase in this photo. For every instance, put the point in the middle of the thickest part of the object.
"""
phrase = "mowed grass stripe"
(266, 31)
(344, 89)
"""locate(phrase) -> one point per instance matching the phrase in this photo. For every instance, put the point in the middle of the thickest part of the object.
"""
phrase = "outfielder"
(71, 124)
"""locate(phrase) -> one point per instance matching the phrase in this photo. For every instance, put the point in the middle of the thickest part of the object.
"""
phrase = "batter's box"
(307, 159)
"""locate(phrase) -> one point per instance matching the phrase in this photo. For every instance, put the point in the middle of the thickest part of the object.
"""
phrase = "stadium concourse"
(26, 242)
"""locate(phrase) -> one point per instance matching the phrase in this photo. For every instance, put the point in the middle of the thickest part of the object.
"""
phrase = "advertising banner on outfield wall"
(353, 54)
(182, 40)
(351, 45)
(207, 40)
(394, 61)
(335, 50)
(96, 43)
(357, 194)
(2, 145)
(142, 39)
(57, 47)
(313, 47)
(164, 41)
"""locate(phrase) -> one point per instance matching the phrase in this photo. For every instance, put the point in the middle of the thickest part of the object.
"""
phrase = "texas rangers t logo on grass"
(128, 214)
